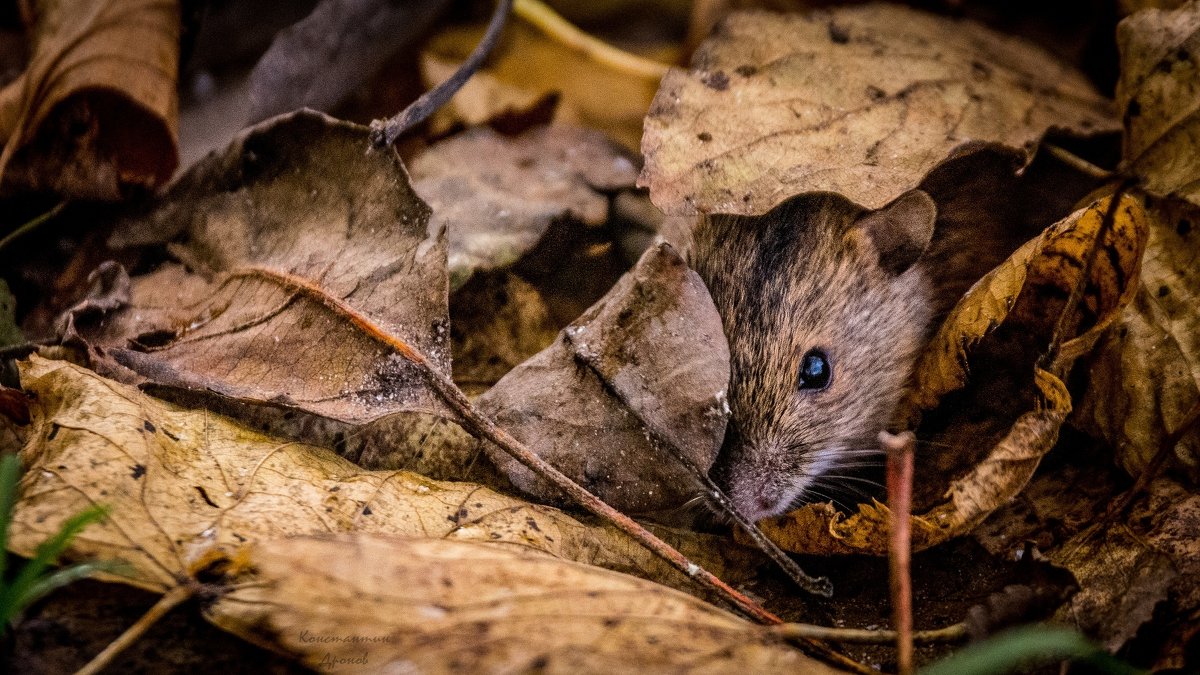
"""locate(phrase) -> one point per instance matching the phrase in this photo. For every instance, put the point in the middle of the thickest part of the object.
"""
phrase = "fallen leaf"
(1132, 572)
(298, 242)
(647, 363)
(1145, 376)
(95, 113)
(379, 604)
(980, 395)
(525, 60)
(498, 195)
(1159, 94)
(183, 483)
(863, 101)
(333, 52)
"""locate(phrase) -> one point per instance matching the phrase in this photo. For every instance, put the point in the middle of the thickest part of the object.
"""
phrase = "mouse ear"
(899, 232)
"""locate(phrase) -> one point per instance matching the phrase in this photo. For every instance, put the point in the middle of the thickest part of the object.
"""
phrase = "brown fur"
(810, 274)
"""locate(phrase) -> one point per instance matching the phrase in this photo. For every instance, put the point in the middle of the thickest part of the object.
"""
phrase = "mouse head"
(825, 313)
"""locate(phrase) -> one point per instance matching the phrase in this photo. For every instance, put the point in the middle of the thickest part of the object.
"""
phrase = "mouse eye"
(815, 371)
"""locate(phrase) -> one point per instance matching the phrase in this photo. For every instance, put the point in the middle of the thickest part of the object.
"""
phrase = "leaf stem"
(32, 225)
(954, 633)
(166, 603)
(385, 132)
(1078, 163)
(565, 33)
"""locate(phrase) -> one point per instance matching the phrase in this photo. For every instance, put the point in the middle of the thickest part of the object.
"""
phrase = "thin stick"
(166, 603)
(564, 32)
(862, 636)
(816, 585)
(1078, 163)
(899, 449)
(1155, 466)
(32, 225)
(481, 426)
(385, 132)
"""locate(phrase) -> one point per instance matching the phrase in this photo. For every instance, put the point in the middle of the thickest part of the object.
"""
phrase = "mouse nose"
(765, 503)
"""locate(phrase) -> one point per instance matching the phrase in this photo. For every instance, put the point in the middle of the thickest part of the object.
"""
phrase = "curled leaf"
(1145, 376)
(979, 392)
(102, 75)
(497, 196)
(309, 269)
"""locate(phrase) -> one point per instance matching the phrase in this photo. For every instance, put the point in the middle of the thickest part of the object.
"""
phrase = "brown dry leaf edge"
(184, 485)
(381, 604)
(1025, 294)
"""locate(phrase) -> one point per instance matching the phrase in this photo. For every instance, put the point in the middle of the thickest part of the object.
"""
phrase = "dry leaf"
(95, 113)
(1131, 572)
(1146, 375)
(862, 101)
(527, 61)
(1159, 93)
(299, 239)
(978, 391)
(648, 361)
(333, 52)
(182, 483)
(498, 195)
(366, 603)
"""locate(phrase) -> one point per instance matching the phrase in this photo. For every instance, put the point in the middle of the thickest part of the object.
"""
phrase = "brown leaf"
(862, 101)
(979, 393)
(498, 195)
(1159, 93)
(1146, 374)
(310, 255)
(376, 604)
(182, 483)
(333, 52)
(1126, 571)
(95, 113)
(649, 360)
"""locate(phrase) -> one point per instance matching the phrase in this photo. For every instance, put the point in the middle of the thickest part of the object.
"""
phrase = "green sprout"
(33, 581)
(1021, 648)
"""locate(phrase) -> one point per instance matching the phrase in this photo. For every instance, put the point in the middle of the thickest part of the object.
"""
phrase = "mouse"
(826, 307)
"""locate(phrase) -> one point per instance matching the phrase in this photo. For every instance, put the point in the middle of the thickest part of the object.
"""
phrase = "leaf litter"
(989, 381)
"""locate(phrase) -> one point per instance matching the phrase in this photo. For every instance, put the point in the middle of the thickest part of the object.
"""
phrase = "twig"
(1155, 466)
(385, 132)
(1078, 163)
(166, 603)
(481, 426)
(553, 25)
(862, 636)
(899, 449)
(816, 585)
(32, 225)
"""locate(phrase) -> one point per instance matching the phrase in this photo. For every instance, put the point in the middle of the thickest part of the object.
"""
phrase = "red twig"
(899, 450)
(483, 427)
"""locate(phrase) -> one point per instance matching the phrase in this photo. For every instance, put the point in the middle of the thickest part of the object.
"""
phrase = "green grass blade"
(49, 550)
(59, 578)
(10, 474)
(1023, 647)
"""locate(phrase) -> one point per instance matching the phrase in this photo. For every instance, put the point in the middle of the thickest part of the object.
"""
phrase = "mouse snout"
(754, 487)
